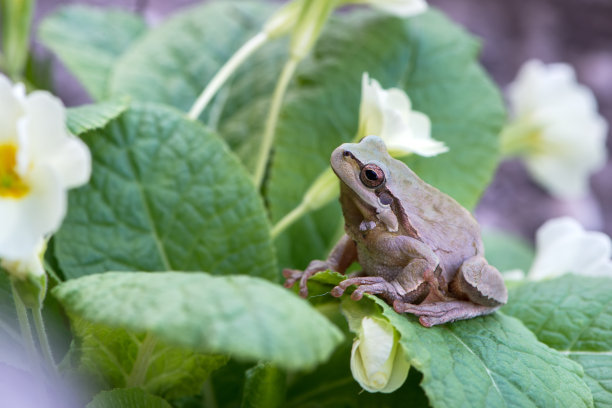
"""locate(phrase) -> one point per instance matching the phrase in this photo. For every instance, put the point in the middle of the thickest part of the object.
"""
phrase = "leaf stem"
(208, 395)
(26, 330)
(42, 338)
(288, 219)
(225, 72)
(141, 364)
(272, 120)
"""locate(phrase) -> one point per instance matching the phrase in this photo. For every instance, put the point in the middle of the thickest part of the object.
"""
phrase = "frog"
(418, 248)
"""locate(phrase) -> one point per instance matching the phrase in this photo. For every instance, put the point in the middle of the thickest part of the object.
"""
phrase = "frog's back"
(440, 221)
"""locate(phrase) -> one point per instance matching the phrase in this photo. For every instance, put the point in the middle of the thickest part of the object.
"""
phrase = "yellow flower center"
(11, 185)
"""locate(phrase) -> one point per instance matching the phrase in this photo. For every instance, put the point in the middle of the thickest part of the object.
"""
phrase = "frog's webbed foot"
(294, 275)
(432, 314)
(375, 285)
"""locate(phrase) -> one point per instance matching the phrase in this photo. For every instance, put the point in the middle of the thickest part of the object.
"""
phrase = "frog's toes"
(291, 276)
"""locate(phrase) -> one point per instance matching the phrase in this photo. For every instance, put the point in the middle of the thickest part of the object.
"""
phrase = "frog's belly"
(375, 265)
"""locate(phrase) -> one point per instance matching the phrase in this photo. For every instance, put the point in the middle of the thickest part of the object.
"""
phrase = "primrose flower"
(39, 161)
(563, 246)
(555, 128)
(400, 8)
(377, 359)
(388, 114)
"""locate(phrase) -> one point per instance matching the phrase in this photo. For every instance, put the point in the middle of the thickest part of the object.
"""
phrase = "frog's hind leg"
(479, 288)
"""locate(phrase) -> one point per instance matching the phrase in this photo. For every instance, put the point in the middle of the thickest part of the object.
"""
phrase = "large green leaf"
(174, 62)
(431, 58)
(490, 361)
(246, 317)
(572, 314)
(88, 40)
(118, 358)
(127, 398)
(165, 194)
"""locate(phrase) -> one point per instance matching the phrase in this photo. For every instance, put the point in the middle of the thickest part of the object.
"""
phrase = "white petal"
(44, 140)
(35, 215)
(401, 8)
(10, 111)
(401, 367)
(563, 246)
(376, 344)
(30, 264)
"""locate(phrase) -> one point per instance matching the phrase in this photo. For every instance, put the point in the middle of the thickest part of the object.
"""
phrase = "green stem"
(42, 338)
(268, 136)
(141, 365)
(288, 219)
(225, 72)
(208, 395)
(26, 330)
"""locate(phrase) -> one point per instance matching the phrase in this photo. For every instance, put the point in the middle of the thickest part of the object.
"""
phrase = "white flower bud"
(378, 363)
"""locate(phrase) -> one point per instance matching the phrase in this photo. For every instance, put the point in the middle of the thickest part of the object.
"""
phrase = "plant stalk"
(141, 364)
(43, 339)
(24, 326)
(225, 72)
(288, 219)
(272, 120)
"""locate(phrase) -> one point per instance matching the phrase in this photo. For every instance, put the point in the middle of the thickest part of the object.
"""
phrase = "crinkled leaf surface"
(246, 317)
(127, 398)
(94, 116)
(490, 361)
(431, 58)
(88, 40)
(120, 358)
(506, 251)
(572, 314)
(165, 193)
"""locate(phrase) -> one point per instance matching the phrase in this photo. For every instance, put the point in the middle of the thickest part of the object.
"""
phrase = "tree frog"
(419, 249)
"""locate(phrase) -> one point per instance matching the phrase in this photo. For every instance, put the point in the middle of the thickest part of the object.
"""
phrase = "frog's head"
(365, 172)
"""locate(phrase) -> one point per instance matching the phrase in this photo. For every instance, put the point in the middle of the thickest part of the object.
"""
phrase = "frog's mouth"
(356, 210)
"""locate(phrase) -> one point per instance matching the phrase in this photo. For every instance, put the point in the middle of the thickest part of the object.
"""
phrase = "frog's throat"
(376, 214)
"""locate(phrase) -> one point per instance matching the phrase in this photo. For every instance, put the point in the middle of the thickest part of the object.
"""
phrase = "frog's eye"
(372, 176)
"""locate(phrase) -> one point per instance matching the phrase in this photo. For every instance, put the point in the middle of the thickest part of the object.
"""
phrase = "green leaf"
(572, 314)
(264, 387)
(242, 316)
(431, 58)
(119, 358)
(94, 116)
(165, 194)
(89, 40)
(486, 361)
(506, 251)
(175, 61)
(127, 398)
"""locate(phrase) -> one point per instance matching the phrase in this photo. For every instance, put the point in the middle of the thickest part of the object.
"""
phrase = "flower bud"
(378, 363)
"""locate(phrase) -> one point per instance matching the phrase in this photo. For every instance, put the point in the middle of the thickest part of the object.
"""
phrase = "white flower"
(388, 114)
(39, 161)
(30, 264)
(377, 359)
(556, 128)
(563, 246)
(401, 8)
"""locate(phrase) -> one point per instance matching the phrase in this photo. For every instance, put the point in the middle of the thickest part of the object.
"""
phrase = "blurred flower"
(555, 128)
(388, 113)
(39, 161)
(563, 246)
(377, 359)
(30, 264)
(401, 8)
(305, 19)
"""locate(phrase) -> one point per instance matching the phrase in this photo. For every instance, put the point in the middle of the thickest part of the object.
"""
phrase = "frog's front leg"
(478, 287)
(341, 257)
